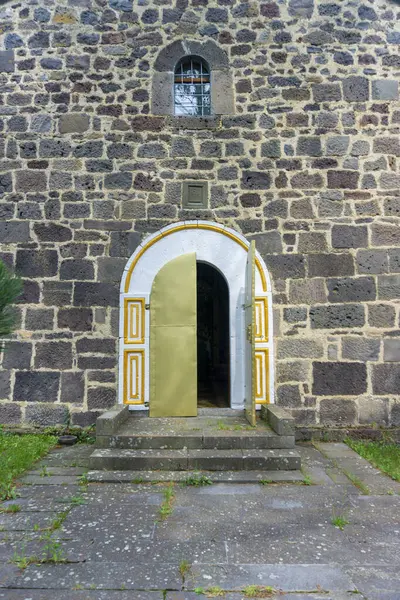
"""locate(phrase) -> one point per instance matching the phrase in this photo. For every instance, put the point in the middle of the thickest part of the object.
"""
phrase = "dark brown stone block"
(47, 416)
(96, 294)
(338, 180)
(286, 266)
(350, 289)
(335, 378)
(37, 263)
(328, 265)
(386, 379)
(5, 384)
(288, 396)
(349, 236)
(337, 316)
(53, 355)
(75, 319)
(72, 387)
(17, 355)
(101, 397)
(11, 414)
(338, 411)
(38, 386)
(255, 180)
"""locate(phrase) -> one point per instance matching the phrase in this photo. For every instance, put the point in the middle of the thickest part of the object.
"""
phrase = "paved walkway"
(107, 541)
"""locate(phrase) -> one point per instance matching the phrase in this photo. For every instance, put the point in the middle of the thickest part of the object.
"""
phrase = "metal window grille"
(192, 87)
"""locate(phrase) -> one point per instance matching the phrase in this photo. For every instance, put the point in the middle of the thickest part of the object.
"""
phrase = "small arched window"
(192, 87)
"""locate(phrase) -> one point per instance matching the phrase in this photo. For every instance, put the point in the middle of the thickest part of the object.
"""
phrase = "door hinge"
(250, 333)
(147, 306)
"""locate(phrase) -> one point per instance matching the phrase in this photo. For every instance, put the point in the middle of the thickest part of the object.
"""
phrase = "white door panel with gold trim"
(262, 349)
(134, 354)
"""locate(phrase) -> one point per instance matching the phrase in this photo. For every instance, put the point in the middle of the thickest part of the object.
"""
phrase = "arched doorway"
(225, 252)
(212, 337)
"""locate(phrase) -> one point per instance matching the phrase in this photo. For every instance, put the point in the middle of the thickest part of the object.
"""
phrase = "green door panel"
(173, 343)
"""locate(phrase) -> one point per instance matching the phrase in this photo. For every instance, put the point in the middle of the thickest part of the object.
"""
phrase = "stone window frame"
(222, 94)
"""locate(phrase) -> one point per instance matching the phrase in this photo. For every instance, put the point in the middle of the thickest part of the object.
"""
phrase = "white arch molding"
(224, 249)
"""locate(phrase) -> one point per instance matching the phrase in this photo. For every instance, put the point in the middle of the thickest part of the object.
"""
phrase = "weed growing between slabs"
(18, 453)
(250, 591)
(383, 456)
(166, 507)
(339, 521)
(197, 479)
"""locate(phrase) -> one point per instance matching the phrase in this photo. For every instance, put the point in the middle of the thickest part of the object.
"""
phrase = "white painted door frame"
(225, 250)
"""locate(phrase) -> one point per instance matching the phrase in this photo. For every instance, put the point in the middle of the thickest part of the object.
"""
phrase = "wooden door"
(250, 363)
(173, 340)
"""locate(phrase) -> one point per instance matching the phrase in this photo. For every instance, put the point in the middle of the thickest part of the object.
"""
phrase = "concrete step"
(198, 459)
(222, 441)
(137, 477)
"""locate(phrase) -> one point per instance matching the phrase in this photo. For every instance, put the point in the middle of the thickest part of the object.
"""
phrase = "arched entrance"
(212, 337)
(224, 254)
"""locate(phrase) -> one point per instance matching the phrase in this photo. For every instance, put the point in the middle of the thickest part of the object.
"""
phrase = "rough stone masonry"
(306, 162)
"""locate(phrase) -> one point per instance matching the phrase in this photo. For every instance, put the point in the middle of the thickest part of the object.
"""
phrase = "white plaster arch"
(221, 247)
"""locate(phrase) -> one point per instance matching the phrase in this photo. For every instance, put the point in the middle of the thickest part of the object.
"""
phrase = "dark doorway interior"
(212, 337)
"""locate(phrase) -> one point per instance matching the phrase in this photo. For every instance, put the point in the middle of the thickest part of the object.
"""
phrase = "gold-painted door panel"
(250, 324)
(173, 343)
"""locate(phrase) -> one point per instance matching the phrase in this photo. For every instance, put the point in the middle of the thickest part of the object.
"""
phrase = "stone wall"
(308, 166)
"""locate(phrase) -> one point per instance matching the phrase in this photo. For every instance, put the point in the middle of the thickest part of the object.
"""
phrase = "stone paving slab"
(232, 534)
(7, 574)
(181, 476)
(98, 527)
(26, 521)
(39, 504)
(137, 595)
(36, 547)
(58, 471)
(286, 577)
(377, 582)
(67, 456)
(51, 480)
(202, 425)
(129, 494)
(350, 462)
(99, 575)
(279, 596)
(80, 595)
(42, 494)
(315, 465)
(151, 551)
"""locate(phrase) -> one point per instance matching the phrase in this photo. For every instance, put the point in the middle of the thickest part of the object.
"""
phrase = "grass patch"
(137, 480)
(184, 569)
(197, 480)
(59, 520)
(85, 435)
(339, 521)
(221, 426)
(166, 507)
(51, 553)
(259, 591)
(385, 457)
(18, 453)
(357, 482)
(11, 508)
(214, 592)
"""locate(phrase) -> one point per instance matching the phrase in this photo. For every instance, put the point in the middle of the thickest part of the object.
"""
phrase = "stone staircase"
(218, 440)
